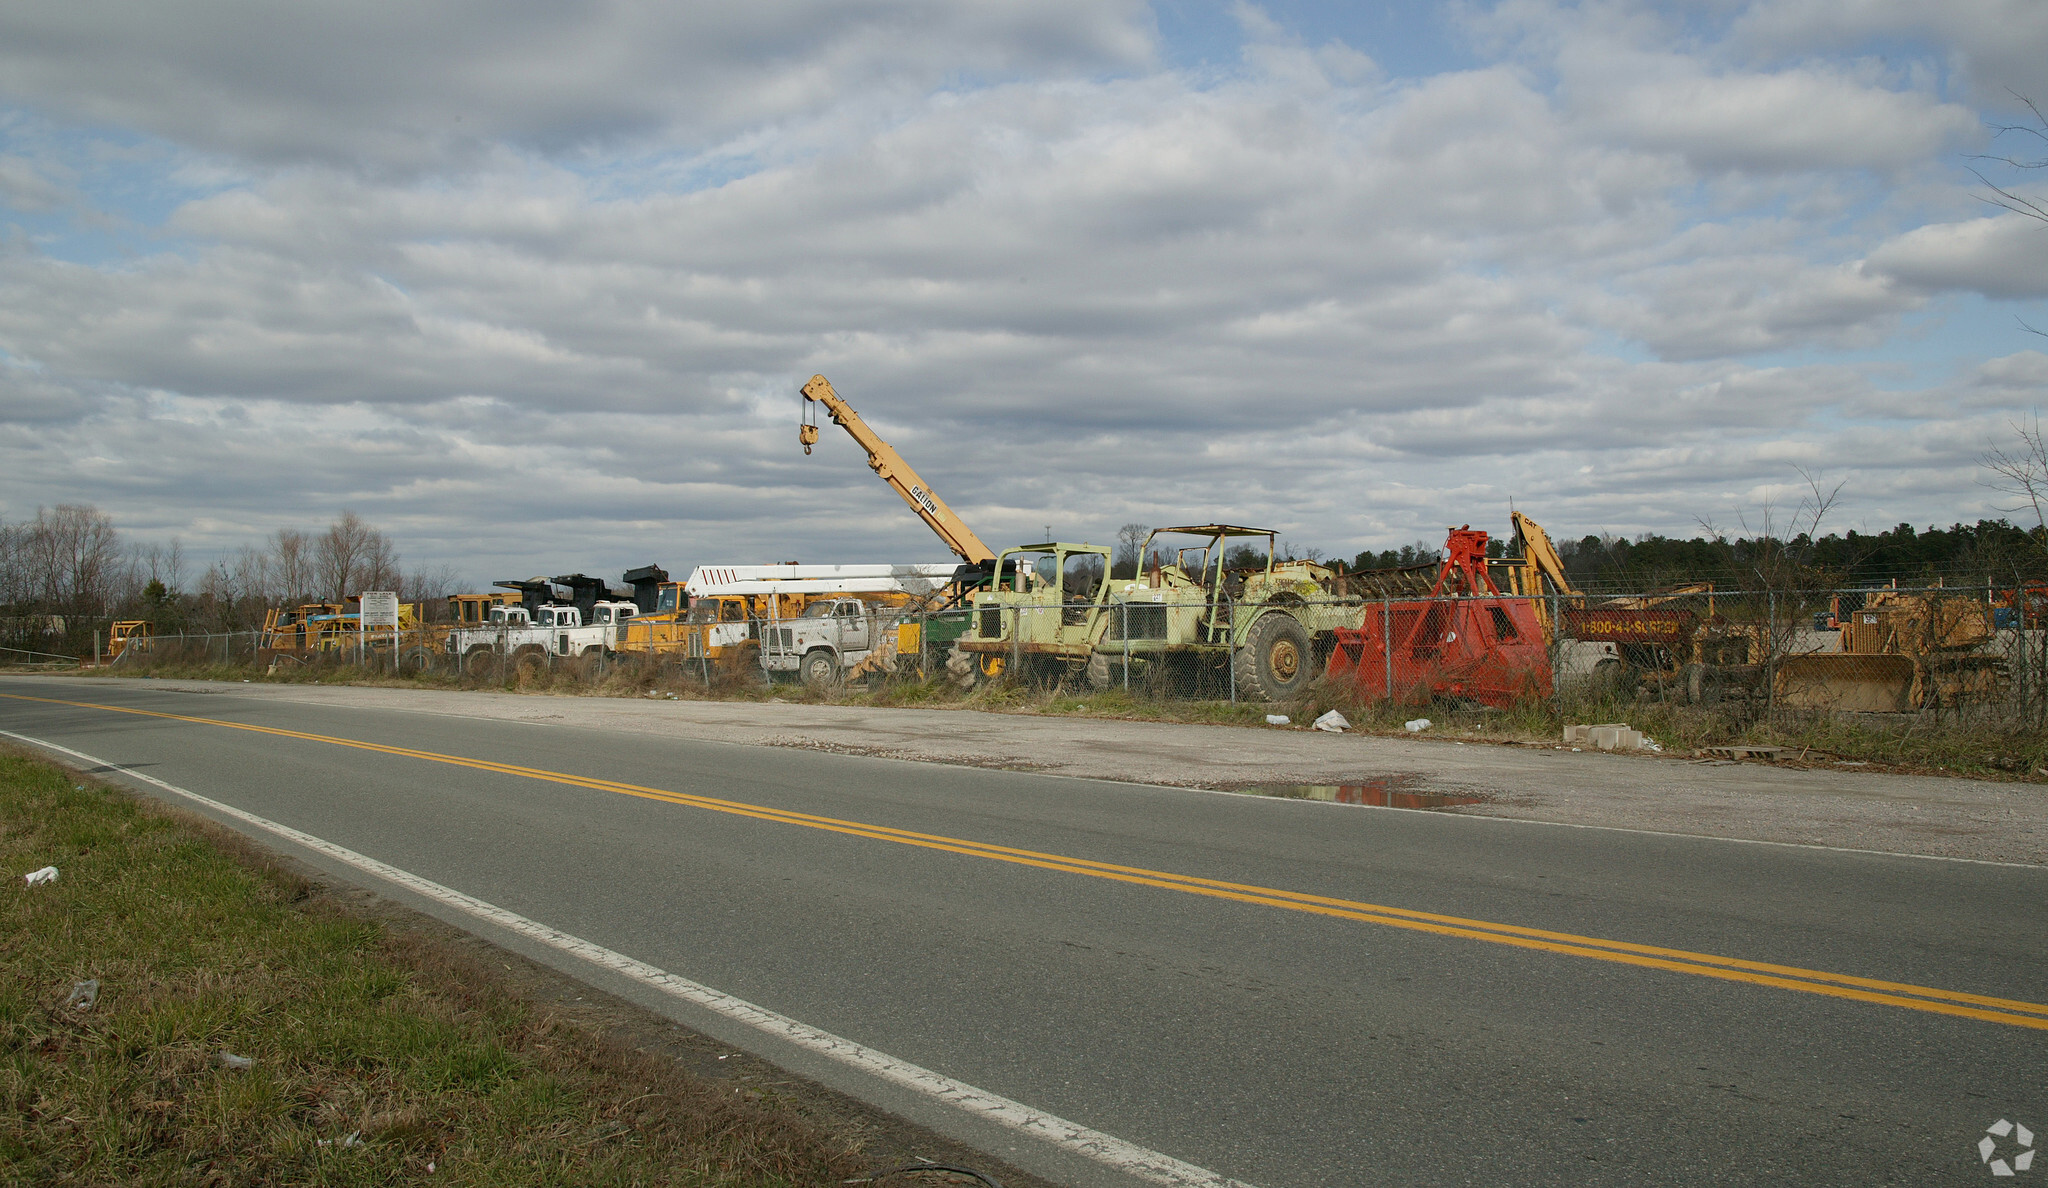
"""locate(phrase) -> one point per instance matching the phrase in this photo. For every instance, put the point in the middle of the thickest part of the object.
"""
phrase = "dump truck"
(833, 639)
(556, 630)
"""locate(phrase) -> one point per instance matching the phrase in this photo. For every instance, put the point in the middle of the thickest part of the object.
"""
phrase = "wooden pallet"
(1743, 752)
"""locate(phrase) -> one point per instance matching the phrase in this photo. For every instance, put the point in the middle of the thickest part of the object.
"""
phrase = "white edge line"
(1113, 1152)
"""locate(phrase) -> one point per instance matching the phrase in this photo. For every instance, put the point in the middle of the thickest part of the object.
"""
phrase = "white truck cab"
(556, 629)
(832, 636)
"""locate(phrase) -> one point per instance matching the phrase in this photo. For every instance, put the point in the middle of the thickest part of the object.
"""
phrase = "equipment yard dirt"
(1750, 801)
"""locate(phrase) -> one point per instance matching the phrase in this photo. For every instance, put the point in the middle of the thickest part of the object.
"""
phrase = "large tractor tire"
(1276, 662)
(415, 662)
(820, 669)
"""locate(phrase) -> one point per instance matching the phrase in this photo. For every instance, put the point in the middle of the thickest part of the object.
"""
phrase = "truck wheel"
(415, 662)
(479, 662)
(529, 661)
(1274, 663)
(820, 669)
(1098, 671)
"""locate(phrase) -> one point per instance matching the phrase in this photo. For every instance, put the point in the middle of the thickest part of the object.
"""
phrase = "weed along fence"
(1698, 664)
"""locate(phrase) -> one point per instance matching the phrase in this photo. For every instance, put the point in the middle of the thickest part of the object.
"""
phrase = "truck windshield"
(819, 610)
(705, 611)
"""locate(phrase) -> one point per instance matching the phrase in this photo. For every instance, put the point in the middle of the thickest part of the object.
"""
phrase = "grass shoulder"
(371, 1059)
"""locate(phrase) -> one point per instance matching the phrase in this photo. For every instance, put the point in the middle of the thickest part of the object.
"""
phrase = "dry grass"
(1987, 745)
(352, 1030)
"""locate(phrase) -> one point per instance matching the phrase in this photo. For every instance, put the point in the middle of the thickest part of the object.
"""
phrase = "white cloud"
(1072, 296)
(1797, 119)
(2004, 255)
(1997, 46)
(395, 84)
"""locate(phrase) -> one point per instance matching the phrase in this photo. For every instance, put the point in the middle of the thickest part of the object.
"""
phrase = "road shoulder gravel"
(1931, 816)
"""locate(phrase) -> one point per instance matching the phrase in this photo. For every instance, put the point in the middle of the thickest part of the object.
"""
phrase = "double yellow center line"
(1733, 969)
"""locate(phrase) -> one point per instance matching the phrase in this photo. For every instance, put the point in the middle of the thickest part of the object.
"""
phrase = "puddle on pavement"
(1391, 792)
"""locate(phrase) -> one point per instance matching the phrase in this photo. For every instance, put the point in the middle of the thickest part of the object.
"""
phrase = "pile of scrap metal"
(1899, 652)
(1464, 639)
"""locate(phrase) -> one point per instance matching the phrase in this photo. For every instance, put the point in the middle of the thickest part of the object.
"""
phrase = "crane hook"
(806, 428)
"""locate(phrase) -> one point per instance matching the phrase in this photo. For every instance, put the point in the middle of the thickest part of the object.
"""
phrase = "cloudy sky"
(533, 286)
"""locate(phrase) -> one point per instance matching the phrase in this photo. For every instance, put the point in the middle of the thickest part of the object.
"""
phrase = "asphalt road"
(1449, 1008)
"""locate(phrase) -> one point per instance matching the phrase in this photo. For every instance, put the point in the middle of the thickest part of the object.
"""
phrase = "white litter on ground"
(1610, 736)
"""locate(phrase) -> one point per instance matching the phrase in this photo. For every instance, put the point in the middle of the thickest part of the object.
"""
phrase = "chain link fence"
(1696, 663)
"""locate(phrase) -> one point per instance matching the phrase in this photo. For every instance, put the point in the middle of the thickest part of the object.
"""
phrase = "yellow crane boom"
(893, 470)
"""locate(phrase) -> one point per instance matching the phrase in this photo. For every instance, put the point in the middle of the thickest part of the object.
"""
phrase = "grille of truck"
(1147, 621)
(991, 623)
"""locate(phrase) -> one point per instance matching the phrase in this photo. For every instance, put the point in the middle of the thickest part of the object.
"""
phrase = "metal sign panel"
(1630, 624)
(380, 609)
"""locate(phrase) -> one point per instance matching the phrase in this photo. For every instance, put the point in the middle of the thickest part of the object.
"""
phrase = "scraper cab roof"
(1219, 530)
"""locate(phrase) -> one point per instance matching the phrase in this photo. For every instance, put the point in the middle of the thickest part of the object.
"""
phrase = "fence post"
(1557, 659)
(1125, 608)
(95, 647)
(1771, 661)
(1016, 641)
(1387, 647)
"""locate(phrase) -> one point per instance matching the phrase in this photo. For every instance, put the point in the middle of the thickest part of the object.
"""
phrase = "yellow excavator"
(1540, 564)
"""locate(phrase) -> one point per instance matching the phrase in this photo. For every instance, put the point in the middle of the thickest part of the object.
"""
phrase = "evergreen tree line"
(1996, 551)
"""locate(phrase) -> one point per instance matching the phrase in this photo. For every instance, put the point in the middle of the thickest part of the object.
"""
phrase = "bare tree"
(351, 554)
(380, 569)
(2021, 471)
(161, 563)
(1130, 539)
(429, 587)
(80, 558)
(291, 566)
(2019, 204)
(17, 588)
